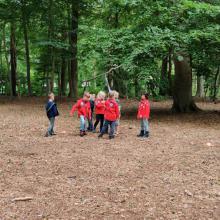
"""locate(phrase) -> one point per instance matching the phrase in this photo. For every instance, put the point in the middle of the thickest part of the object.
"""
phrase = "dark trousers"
(99, 118)
(112, 127)
(90, 125)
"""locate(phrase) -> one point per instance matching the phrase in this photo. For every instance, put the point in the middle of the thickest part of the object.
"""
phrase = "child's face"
(143, 97)
(86, 97)
(52, 97)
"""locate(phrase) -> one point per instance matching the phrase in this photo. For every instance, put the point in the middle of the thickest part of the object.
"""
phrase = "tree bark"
(170, 90)
(6, 59)
(182, 93)
(163, 76)
(27, 53)
(13, 60)
(136, 87)
(50, 48)
(216, 84)
(73, 43)
(200, 87)
(63, 77)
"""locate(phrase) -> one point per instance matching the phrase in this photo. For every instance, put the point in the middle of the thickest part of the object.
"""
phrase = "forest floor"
(175, 174)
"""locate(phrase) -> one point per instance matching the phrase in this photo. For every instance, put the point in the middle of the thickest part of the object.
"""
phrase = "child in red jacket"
(100, 110)
(143, 115)
(84, 112)
(111, 115)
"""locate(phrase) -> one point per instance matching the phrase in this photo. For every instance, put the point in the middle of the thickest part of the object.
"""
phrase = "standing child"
(143, 115)
(111, 116)
(119, 106)
(92, 106)
(99, 110)
(84, 112)
(52, 113)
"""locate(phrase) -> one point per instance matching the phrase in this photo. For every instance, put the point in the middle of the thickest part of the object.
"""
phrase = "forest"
(171, 49)
(161, 159)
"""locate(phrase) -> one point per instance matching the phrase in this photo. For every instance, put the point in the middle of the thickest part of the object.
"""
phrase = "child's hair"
(111, 94)
(87, 94)
(116, 94)
(101, 95)
(50, 95)
(146, 95)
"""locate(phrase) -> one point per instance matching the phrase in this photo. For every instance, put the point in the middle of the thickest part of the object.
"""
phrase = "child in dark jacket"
(92, 106)
(111, 115)
(143, 115)
(84, 112)
(52, 113)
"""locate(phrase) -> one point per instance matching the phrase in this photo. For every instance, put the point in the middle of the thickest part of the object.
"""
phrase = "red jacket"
(111, 110)
(83, 108)
(144, 109)
(99, 107)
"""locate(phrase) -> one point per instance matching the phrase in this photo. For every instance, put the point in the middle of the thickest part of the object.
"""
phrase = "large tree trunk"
(182, 93)
(73, 43)
(27, 53)
(13, 60)
(200, 87)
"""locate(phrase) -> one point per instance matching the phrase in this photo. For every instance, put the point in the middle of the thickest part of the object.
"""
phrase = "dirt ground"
(175, 174)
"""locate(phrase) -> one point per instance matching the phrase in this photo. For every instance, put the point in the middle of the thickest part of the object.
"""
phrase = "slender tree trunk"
(73, 43)
(13, 60)
(26, 41)
(63, 77)
(170, 74)
(200, 86)
(216, 84)
(182, 94)
(136, 87)
(6, 59)
(163, 76)
(52, 77)
(1, 50)
(51, 49)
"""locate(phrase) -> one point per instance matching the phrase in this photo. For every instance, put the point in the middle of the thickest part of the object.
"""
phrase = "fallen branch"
(23, 199)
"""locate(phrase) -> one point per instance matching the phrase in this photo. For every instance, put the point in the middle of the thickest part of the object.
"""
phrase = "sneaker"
(111, 137)
(100, 136)
(146, 135)
(81, 134)
(141, 134)
(47, 135)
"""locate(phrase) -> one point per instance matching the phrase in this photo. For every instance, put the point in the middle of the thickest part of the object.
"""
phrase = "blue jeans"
(82, 123)
(51, 126)
(144, 125)
(105, 127)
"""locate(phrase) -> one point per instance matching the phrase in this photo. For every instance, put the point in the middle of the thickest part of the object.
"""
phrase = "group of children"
(107, 112)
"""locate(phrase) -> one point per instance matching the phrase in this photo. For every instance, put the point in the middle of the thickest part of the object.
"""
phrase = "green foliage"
(132, 33)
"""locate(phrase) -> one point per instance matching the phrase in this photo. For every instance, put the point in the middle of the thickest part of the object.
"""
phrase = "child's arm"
(117, 111)
(74, 108)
